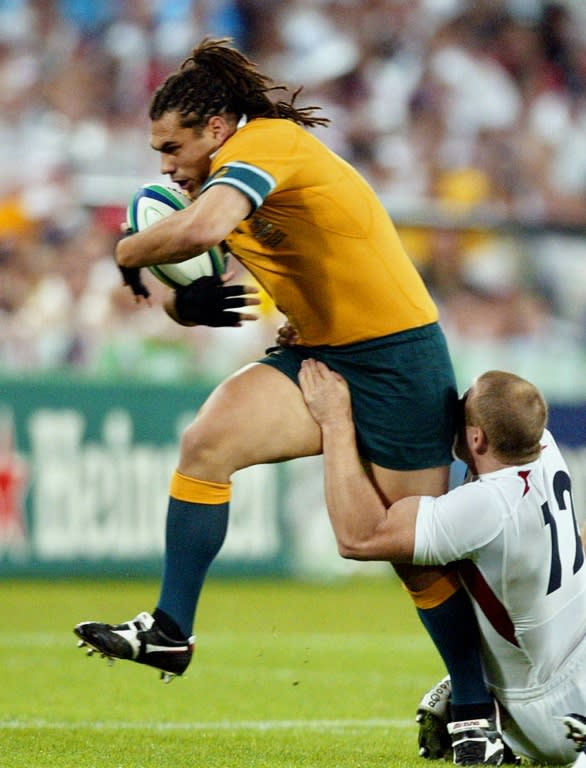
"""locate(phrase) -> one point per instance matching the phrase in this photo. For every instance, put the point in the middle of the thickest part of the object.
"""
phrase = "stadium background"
(468, 118)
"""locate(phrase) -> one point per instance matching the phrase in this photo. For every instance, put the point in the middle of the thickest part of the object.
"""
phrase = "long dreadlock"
(217, 79)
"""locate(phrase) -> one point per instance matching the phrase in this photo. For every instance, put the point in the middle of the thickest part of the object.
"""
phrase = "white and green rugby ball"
(153, 202)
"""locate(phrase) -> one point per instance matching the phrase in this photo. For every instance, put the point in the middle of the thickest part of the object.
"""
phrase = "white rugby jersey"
(522, 561)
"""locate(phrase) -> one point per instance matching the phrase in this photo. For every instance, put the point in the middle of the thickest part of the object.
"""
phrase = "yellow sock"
(190, 489)
(437, 593)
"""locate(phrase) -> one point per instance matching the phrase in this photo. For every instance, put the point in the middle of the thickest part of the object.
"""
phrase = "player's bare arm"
(206, 222)
(364, 528)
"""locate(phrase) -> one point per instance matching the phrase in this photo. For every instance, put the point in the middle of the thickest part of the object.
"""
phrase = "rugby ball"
(153, 202)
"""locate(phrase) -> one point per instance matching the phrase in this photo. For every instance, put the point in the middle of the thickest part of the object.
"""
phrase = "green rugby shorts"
(403, 391)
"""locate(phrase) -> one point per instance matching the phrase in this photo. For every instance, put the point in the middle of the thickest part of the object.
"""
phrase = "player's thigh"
(393, 485)
(256, 416)
(396, 484)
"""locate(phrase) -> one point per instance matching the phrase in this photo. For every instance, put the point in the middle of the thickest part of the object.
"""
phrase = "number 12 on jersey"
(562, 489)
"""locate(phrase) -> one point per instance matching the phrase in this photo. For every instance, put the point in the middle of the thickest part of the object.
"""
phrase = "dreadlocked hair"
(217, 79)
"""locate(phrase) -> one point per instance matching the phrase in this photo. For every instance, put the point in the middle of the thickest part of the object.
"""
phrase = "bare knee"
(204, 455)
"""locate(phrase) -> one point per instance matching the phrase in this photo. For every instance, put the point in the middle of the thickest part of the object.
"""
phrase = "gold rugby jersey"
(318, 239)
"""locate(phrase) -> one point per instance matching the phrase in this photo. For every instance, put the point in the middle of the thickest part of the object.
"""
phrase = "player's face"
(185, 152)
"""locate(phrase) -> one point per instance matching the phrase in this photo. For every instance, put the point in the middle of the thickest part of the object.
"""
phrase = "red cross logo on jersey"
(524, 475)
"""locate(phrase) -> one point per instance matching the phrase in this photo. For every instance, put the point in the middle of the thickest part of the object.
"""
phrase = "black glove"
(208, 301)
(131, 275)
(131, 278)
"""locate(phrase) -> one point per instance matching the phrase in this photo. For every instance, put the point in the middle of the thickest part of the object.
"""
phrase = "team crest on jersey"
(265, 232)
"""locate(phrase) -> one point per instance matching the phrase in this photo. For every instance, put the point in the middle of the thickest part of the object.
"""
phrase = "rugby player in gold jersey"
(313, 233)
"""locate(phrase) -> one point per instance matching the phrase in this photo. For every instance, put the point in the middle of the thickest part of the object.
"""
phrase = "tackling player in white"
(512, 535)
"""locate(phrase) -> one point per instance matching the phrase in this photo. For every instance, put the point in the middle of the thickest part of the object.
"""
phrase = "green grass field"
(285, 674)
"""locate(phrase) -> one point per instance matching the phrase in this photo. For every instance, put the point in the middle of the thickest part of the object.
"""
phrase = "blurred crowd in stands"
(468, 118)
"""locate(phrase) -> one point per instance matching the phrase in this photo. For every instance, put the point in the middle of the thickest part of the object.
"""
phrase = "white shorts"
(534, 727)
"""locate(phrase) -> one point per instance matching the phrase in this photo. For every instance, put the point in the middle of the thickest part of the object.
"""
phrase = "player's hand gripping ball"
(201, 297)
